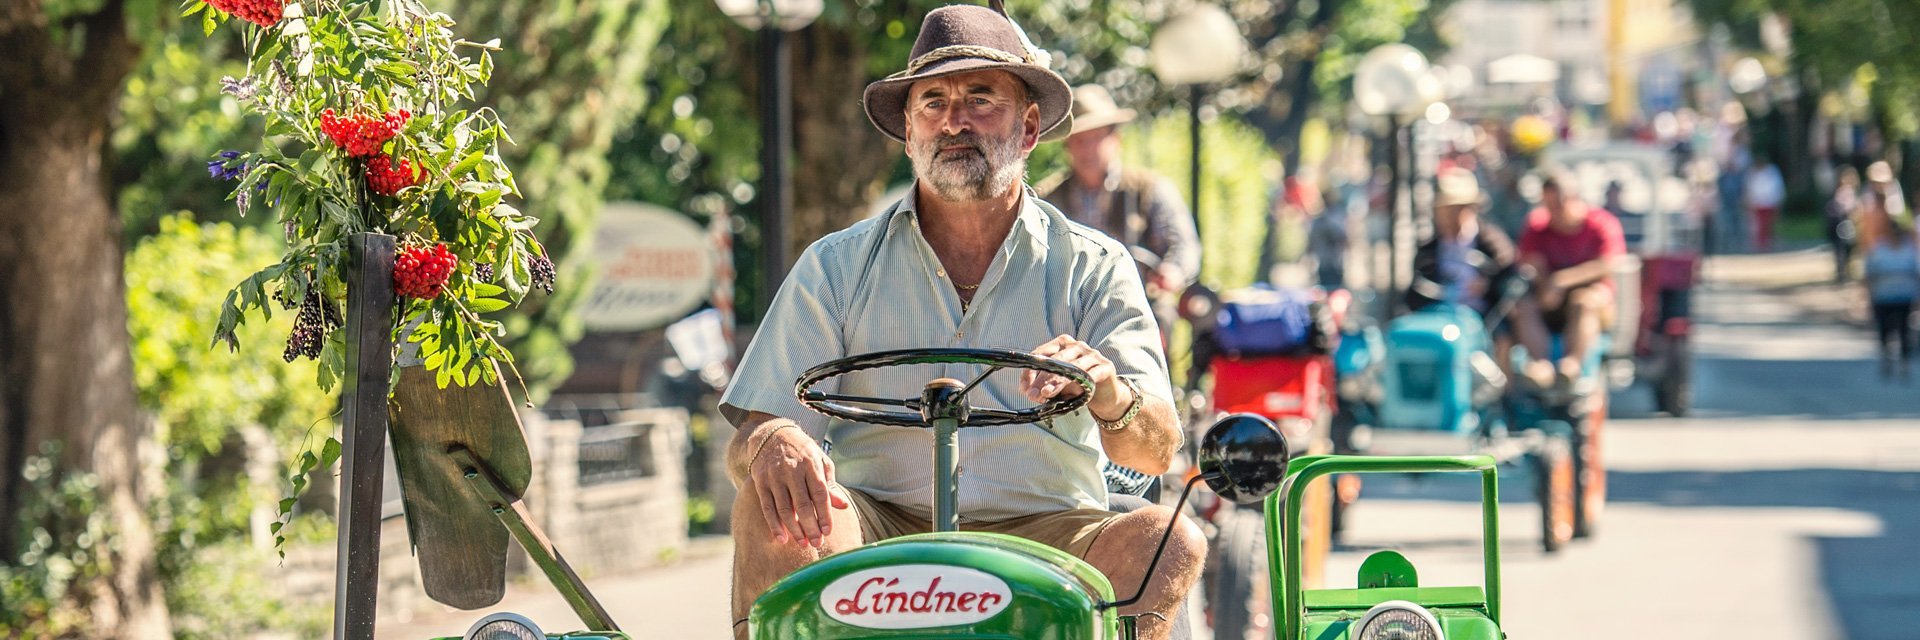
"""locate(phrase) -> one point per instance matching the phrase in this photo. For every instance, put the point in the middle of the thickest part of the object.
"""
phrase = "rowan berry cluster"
(265, 13)
(317, 318)
(421, 272)
(387, 175)
(362, 136)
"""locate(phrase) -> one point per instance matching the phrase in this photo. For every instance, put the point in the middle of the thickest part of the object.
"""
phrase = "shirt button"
(942, 273)
(959, 334)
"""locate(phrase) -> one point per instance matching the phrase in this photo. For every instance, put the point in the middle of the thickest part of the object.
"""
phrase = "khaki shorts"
(1072, 531)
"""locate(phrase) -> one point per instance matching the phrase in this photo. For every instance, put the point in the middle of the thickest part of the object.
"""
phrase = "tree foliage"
(703, 129)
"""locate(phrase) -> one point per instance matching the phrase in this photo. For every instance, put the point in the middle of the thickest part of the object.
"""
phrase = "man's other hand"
(1110, 399)
(793, 477)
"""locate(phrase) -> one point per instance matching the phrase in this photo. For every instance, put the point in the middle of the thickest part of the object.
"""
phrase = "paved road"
(1787, 507)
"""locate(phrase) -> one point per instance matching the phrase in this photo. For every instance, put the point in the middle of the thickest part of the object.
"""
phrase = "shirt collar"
(1030, 226)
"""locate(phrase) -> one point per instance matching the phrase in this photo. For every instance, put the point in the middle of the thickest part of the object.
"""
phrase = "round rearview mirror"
(1243, 458)
(1198, 305)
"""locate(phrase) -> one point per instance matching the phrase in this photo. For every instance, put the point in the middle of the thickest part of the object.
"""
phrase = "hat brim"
(886, 100)
(1093, 121)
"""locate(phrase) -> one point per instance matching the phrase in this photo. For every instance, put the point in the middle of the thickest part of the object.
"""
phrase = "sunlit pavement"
(1787, 506)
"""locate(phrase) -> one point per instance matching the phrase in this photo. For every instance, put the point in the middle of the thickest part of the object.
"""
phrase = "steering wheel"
(838, 406)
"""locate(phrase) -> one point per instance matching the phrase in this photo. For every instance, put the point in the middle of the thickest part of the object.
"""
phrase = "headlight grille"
(1398, 620)
(504, 626)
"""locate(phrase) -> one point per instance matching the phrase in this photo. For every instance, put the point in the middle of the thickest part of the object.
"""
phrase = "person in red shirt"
(1570, 246)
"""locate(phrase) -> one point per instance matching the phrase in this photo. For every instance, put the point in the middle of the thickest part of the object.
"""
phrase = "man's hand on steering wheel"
(793, 477)
(1110, 398)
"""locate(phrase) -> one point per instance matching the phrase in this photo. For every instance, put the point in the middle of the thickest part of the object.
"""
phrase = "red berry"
(362, 135)
(422, 272)
(265, 13)
(387, 176)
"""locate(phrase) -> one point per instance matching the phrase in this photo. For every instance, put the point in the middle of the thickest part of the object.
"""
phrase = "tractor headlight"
(504, 626)
(1398, 620)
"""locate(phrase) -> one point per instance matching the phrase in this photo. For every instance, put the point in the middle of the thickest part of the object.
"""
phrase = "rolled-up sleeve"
(801, 329)
(1119, 323)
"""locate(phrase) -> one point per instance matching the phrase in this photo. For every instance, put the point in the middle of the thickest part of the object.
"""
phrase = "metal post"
(1392, 294)
(776, 145)
(369, 344)
(946, 490)
(1193, 126)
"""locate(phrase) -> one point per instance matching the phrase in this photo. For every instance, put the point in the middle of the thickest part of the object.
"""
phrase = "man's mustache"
(970, 140)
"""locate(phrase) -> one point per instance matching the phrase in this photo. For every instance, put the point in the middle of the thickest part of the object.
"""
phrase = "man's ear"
(1032, 121)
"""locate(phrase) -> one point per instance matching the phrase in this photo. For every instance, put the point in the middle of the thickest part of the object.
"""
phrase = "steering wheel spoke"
(817, 396)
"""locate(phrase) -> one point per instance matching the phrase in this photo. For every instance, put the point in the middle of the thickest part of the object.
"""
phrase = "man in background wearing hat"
(1464, 262)
(970, 258)
(1136, 206)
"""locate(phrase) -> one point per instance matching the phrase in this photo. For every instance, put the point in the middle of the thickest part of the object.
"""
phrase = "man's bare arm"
(1149, 443)
(1584, 273)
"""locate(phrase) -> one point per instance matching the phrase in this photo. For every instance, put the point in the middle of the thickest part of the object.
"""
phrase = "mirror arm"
(1162, 548)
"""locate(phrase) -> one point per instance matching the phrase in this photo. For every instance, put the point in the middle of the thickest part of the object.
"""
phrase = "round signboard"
(655, 265)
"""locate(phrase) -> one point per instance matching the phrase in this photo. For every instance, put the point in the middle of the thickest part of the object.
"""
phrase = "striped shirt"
(877, 286)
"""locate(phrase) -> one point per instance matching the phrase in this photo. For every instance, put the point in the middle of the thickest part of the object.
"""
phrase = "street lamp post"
(1197, 48)
(1395, 81)
(773, 19)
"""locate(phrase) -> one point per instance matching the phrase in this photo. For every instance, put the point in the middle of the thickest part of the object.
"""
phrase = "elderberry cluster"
(422, 272)
(542, 269)
(317, 318)
(483, 272)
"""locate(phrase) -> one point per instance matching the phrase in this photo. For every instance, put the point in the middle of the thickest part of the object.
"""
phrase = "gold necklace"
(966, 287)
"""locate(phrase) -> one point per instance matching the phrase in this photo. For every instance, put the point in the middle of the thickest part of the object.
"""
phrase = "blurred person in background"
(1464, 261)
(1329, 237)
(1891, 274)
(1294, 206)
(1571, 248)
(1134, 205)
(1840, 212)
(1765, 192)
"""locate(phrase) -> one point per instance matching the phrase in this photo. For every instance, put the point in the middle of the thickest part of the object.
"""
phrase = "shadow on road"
(1873, 583)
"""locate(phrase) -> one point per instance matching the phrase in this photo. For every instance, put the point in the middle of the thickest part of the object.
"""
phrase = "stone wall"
(627, 520)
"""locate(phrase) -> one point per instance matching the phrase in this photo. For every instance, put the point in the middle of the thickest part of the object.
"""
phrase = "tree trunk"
(1297, 94)
(66, 374)
(841, 162)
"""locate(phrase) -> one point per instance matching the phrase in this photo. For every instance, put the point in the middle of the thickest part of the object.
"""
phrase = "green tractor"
(1388, 602)
(959, 585)
(947, 584)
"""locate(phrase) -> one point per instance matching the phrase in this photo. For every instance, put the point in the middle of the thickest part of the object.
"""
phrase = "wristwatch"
(1133, 409)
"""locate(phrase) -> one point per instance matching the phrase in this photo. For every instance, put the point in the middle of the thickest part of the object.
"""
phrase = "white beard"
(996, 165)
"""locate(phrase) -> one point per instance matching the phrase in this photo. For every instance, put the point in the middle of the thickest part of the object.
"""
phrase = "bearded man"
(969, 258)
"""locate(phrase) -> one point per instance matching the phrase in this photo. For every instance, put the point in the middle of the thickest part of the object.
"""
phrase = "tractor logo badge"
(915, 596)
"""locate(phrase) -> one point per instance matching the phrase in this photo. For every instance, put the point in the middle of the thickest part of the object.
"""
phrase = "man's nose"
(955, 122)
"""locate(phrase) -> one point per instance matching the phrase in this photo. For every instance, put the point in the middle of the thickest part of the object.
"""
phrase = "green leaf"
(286, 504)
(467, 164)
(329, 453)
(488, 305)
(442, 378)
(436, 360)
(397, 68)
(484, 290)
(275, 526)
